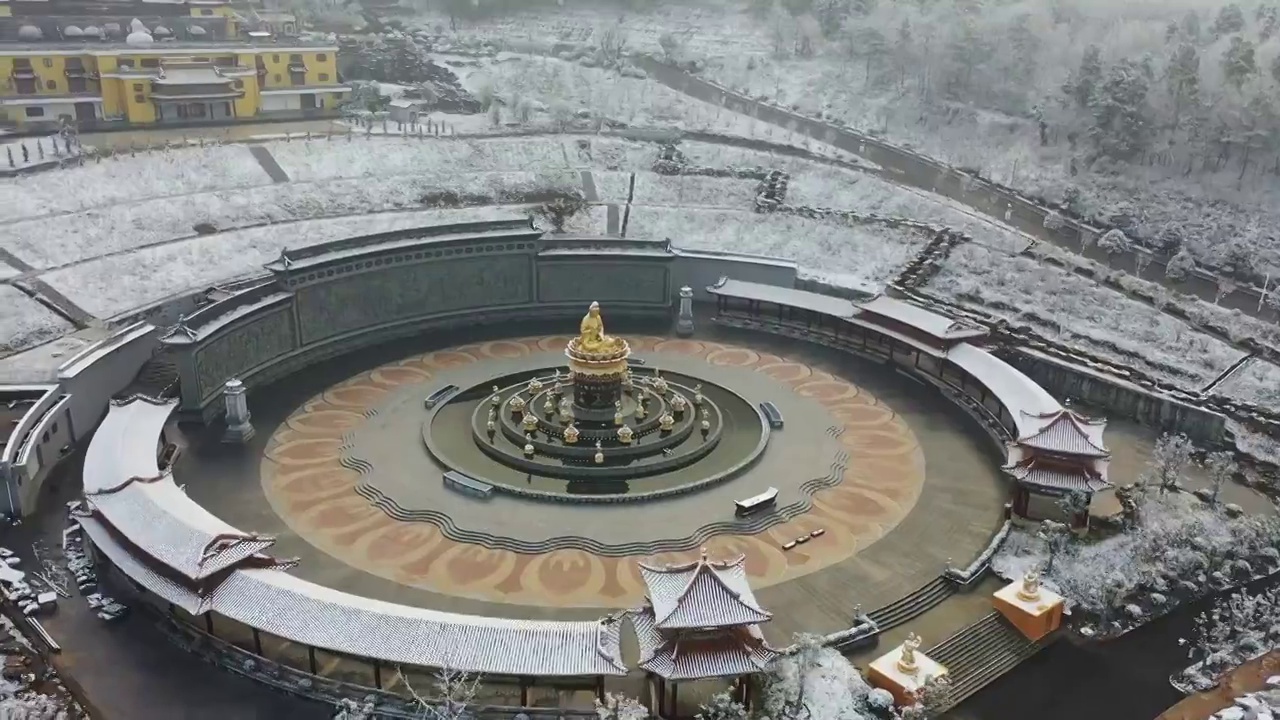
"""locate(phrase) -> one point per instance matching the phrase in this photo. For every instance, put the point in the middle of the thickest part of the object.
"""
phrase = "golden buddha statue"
(591, 336)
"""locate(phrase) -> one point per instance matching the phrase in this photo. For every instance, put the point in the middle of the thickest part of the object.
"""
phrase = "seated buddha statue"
(591, 337)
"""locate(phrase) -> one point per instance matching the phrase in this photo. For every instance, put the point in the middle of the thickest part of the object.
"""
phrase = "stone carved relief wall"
(260, 341)
(365, 300)
(606, 282)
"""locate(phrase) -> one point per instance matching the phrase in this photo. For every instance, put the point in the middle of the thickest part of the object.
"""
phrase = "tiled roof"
(310, 614)
(689, 655)
(155, 518)
(1058, 477)
(1067, 433)
(702, 594)
(124, 446)
(166, 588)
(163, 522)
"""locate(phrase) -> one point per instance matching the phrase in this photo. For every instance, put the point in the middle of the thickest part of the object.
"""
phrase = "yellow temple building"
(140, 81)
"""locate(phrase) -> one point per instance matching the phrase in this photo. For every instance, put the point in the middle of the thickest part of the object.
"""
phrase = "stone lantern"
(239, 429)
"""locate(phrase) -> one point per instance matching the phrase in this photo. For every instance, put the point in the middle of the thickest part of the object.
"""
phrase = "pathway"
(927, 174)
(268, 163)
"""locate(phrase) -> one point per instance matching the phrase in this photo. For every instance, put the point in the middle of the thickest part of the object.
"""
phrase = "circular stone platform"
(347, 472)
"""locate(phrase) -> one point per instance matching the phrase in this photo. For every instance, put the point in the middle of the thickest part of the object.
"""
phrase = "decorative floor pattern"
(315, 495)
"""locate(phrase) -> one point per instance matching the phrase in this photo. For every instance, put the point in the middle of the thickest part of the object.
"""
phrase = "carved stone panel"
(404, 292)
(631, 282)
(257, 342)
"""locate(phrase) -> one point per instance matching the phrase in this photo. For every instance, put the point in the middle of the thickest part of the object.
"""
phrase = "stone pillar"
(239, 430)
(684, 323)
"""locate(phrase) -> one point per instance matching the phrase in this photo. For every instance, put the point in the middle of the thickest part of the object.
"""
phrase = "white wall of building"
(276, 103)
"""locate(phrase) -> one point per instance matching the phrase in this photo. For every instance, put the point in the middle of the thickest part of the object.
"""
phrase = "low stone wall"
(1119, 398)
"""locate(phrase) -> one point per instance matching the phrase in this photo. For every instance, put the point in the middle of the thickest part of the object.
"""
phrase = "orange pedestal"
(884, 673)
(1035, 617)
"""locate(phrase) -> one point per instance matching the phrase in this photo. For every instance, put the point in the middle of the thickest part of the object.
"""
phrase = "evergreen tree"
(1239, 62)
(1230, 20)
(1121, 115)
(1080, 86)
(1191, 26)
(1183, 76)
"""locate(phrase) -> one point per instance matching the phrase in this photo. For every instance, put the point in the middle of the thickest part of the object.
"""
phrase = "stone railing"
(980, 565)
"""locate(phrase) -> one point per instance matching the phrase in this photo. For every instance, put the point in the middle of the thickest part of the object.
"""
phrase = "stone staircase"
(157, 378)
(981, 652)
(913, 605)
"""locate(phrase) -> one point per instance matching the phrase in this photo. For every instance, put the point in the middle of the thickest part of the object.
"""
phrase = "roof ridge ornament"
(179, 327)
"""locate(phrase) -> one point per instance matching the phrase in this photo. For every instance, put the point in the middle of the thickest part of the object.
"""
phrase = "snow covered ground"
(1257, 381)
(46, 151)
(25, 322)
(169, 270)
(694, 191)
(825, 186)
(612, 186)
(122, 178)
(381, 156)
(1081, 313)
(1163, 559)
(860, 257)
(59, 241)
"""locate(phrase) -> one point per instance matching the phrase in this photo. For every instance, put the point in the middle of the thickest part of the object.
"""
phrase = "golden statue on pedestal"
(591, 336)
(907, 662)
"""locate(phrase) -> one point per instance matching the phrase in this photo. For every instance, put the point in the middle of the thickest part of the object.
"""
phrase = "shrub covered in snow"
(1177, 549)
(819, 680)
(1238, 628)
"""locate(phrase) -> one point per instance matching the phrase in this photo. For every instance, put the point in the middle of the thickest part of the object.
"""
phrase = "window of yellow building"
(48, 62)
(51, 85)
(324, 77)
(137, 87)
(321, 57)
(275, 59)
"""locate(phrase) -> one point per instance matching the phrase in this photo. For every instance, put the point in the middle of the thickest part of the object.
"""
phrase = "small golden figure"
(496, 400)
(571, 434)
(907, 663)
(626, 434)
(591, 335)
(529, 422)
(617, 413)
(666, 422)
(679, 404)
(599, 458)
(697, 394)
(528, 446)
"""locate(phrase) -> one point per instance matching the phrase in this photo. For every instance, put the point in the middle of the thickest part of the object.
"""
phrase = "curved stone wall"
(337, 297)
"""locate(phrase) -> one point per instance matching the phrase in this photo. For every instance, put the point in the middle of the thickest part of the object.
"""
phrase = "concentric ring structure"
(332, 299)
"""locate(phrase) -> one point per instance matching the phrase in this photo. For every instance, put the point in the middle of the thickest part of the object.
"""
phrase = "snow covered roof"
(310, 614)
(926, 321)
(170, 545)
(164, 523)
(790, 297)
(1064, 432)
(1024, 399)
(702, 594)
(694, 655)
(168, 589)
(1058, 476)
(125, 445)
(190, 74)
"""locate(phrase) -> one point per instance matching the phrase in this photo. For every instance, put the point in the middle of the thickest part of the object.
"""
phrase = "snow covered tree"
(1122, 127)
(558, 212)
(1113, 242)
(1073, 505)
(1055, 536)
(722, 706)
(1221, 467)
(1230, 20)
(1183, 77)
(1169, 462)
(1081, 85)
(349, 709)
(1180, 266)
(1239, 62)
(968, 49)
(1190, 26)
(868, 44)
(620, 707)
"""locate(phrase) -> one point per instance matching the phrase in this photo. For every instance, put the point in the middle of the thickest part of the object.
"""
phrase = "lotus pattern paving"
(315, 495)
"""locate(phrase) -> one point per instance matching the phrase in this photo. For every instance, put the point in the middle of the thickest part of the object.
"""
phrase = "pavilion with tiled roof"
(700, 621)
(1056, 453)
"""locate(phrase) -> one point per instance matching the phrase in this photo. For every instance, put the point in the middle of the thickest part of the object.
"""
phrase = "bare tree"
(1055, 536)
(620, 707)
(455, 689)
(1168, 463)
(558, 212)
(1221, 467)
(932, 699)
